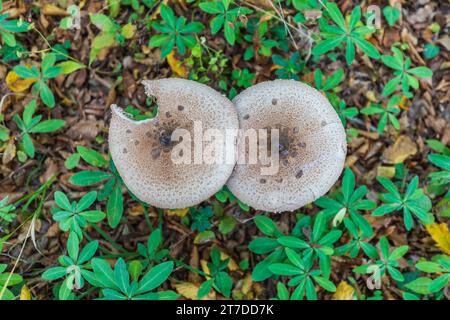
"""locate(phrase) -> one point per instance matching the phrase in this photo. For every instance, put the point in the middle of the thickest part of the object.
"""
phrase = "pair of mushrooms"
(312, 145)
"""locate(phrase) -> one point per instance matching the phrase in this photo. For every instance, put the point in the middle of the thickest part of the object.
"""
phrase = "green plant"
(263, 45)
(357, 242)
(200, 218)
(345, 32)
(348, 201)
(31, 124)
(7, 214)
(174, 33)
(74, 267)
(387, 262)
(289, 68)
(316, 242)
(343, 112)
(8, 279)
(440, 180)
(111, 189)
(73, 216)
(226, 17)
(152, 252)
(412, 201)
(9, 27)
(225, 195)
(386, 114)
(111, 34)
(243, 78)
(89, 155)
(218, 277)
(440, 266)
(116, 284)
(48, 71)
(303, 273)
(404, 74)
(391, 14)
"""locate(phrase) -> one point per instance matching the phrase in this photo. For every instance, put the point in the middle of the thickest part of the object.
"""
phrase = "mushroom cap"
(313, 140)
(142, 150)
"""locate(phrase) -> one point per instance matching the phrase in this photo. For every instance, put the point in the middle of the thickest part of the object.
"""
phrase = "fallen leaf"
(10, 152)
(403, 148)
(440, 234)
(52, 10)
(177, 212)
(344, 292)
(176, 66)
(25, 293)
(232, 265)
(190, 291)
(385, 171)
(17, 84)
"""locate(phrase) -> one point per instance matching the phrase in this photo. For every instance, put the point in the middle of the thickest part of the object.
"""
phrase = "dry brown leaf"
(52, 10)
(344, 291)
(17, 84)
(190, 291)
(10, 152)
(441, 235)
(403, 148)
(385, 171)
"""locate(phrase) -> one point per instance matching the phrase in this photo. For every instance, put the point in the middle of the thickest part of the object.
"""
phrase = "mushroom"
(311, 148)
(145, 152)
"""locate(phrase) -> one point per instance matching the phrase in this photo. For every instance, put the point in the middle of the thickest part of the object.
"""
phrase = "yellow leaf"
(190, 291)
(16, 84)
(232, 265)
(176, 66)
(344, 292)
(177, 212)
(204, 265)
(10, 152)
(402, 149)
(25, 293)
(440, 234)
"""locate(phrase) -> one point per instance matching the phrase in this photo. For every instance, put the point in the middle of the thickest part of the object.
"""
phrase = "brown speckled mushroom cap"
(312, 145)
(142, 150)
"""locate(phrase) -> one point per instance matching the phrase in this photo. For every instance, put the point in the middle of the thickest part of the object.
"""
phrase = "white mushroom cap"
(312, 145)
(142, 150)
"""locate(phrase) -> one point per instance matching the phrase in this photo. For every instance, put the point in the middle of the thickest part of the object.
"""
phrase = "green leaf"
(73, 246)
(422, 72)
(293, 242)
(263, 245)
(87, 178)
(48, 97)
(48, 126)
(92, 157)
(62, 201)
(27, 73)
(54, 273)
(391, 14)
(284, 269)
(88, 252)
(420, 285)
(336, 15)
(327, 45)
(115, 206)
(155, 277)
(224, 283)
(325, 283)
(67, 67)
(266, 225)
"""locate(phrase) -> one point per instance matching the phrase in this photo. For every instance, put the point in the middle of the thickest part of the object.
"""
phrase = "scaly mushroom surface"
(143, 151)
(312, 145)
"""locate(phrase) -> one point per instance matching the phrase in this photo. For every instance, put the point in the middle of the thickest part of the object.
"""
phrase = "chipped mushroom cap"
(141, 150)
(312, 145)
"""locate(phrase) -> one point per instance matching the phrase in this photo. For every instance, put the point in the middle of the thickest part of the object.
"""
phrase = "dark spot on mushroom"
(156, 153)
(285, 162)
(125, 150)
(263, 181)
(168, 115)
(246, 117)
(274, 101)
(295, 130)
(128, 131)
(180, 108)
(299, 174)
(165, 138)
(280, 180)
(323, 123)
(148, 134)
(302, 144)
(136, 142)
(180, 153)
